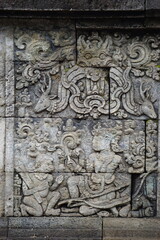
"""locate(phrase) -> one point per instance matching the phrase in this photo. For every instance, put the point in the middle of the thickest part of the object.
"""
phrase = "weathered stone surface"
(141, 229)
(55, 228)
(73, 5)
(111, 23)
(144, 197)
(158, 195)
(3, 228)
(151, 145)
(79, 145)
(6, 72)
(2, 144)
(128, 57)
(153, 8)
(2, 165)
(2, 191)
(79, 130)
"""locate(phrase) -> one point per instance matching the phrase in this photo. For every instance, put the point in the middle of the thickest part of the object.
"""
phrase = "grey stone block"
(3, 227)
(153, 8)
(55, 228)
(74, 5)
(111, 23)
(135, 229)
(152, 23)
(152, 4)
(158, 195)
(2, 193)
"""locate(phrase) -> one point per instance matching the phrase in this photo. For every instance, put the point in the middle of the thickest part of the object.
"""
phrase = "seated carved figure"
(98, 190)
(38, 188)
(39, 198)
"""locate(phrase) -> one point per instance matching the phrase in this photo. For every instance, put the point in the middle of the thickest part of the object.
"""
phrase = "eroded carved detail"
(131, 93)
(151, 144)
(88, 162)
(86, 91)
(57, 82)
(79, 163)
(121, 50)
(144, 195)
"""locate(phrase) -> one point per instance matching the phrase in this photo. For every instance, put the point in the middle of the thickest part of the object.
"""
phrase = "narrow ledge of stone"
(82, 5)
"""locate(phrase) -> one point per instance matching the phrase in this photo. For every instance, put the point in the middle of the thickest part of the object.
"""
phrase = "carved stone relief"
(133, 73)
(83, 91)
(123, 85)
(79, 146)
(80, 122)
(144, 195)
(76, 167)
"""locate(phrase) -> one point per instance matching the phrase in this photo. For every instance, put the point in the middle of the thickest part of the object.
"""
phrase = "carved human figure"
(103, 164)
(39, 198)
(38, 188)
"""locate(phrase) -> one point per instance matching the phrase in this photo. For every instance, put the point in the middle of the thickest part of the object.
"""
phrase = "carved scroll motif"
(59, 83)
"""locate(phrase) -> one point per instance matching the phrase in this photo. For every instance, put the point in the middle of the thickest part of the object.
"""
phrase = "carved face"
(44, 163)
(93, 74)
(42, 104)
(101, 142)
(148, 109)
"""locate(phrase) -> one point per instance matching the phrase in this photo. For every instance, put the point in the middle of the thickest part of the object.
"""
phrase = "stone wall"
(79, 120)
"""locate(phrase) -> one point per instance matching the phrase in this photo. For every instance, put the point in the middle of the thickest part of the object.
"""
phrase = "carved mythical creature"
(122, 90)
(49, 102)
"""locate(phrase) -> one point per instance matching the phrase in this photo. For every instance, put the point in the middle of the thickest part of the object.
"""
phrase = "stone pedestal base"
(76, 228)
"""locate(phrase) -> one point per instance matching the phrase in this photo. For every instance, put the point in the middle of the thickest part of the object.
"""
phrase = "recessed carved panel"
(79, 116)
(69, 167)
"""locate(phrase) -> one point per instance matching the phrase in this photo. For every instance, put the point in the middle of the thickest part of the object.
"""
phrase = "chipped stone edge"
(9, 166)
(9, 72)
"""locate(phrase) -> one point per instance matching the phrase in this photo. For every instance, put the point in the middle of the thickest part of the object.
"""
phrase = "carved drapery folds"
(85, 130)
